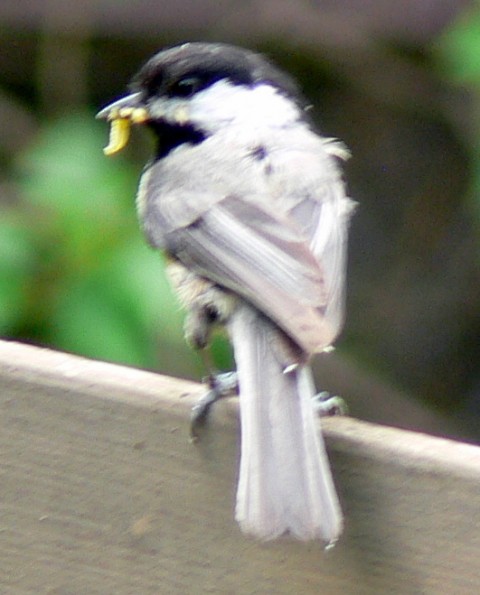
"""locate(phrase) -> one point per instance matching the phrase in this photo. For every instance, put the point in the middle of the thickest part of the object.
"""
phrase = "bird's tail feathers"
(285, 484)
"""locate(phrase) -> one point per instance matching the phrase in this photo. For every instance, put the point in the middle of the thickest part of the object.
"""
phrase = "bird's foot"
(220, 386)
(326, 405)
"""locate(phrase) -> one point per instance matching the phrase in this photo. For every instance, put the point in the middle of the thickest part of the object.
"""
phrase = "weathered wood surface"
(102, 492)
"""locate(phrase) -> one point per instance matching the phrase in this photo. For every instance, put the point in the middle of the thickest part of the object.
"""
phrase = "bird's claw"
(326, 405)
(220, 386)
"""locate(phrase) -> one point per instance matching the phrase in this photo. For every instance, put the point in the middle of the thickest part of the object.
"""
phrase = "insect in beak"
(122, 114)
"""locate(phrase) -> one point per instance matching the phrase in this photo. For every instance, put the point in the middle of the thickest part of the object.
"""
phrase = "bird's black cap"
(188, 68)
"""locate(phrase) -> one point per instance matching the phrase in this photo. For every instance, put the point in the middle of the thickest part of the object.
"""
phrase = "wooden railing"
(101, 491)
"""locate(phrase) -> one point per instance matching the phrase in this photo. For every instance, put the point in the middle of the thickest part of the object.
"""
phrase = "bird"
(249, 204)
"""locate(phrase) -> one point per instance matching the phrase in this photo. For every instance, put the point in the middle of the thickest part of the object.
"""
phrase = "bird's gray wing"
(279, 240)
(263, 257)
(324, 219)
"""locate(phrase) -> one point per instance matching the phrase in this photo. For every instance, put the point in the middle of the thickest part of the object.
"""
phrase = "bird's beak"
(122, 114)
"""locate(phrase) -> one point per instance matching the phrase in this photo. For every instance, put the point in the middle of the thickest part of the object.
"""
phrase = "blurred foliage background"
(398, 82)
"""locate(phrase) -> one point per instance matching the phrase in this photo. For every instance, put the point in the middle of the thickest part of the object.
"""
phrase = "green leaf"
(17, 258)
(459, 48)
(78, 195)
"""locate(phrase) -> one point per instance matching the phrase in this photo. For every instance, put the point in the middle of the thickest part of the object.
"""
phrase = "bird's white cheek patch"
(224, 103)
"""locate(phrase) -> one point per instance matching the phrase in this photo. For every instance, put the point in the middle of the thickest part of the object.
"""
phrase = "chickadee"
(249, 205)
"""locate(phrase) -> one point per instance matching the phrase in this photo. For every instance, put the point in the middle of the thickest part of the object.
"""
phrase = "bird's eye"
(185, 87)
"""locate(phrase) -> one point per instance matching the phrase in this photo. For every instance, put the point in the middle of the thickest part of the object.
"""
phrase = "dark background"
(397, 81)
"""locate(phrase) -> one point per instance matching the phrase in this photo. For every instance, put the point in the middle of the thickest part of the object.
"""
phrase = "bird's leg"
(199, 324)
(327, 405)
(220, 386)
